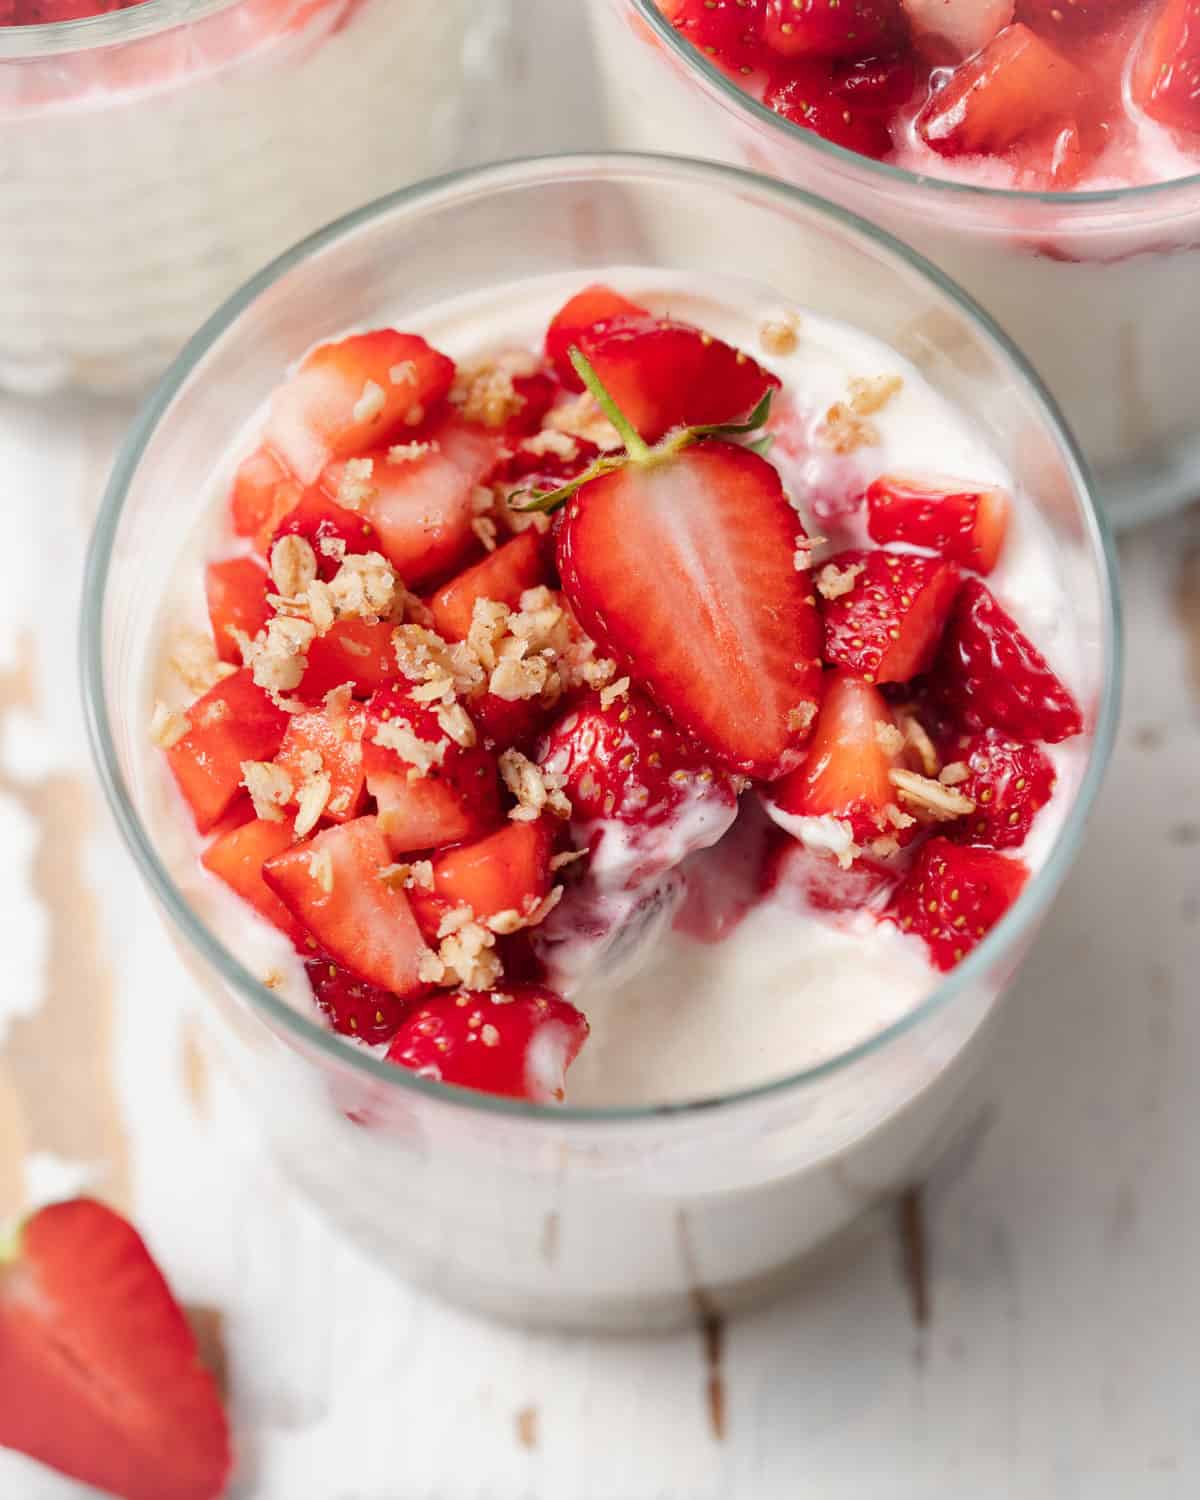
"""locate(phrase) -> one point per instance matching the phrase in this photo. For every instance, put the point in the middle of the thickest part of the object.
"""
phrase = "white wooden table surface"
(1058, 1352)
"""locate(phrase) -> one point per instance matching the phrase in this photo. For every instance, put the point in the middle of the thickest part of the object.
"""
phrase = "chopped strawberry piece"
(353, 395)
(502, 576)
(811, 881)
(100, 1372)
(684, 571)
(237, 857)
(355, 1008)
(547, 468)
(537, 394)
(962, 522)
(333, 885)
(430, 789)
(508, 871)
(664, 374)
(422, 508)
(834, 28)
(954, 895)
(808, 97)
(1009, 784)
(352, 651)
(594, 305)
(330, 740)
(233, 722)
(628, 763)
(1166, 74)
(504, 722)
(728, 31)
(881, 85)
(846, 773)
(886, 625)
(518, 1043)
(263, 492)
(236, 591)
(991, 676)
(1015, 87)
(317, 519)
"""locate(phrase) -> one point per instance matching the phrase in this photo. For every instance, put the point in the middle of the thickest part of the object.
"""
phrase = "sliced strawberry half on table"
(954, 895)
(237, 857)
(355, 1008)
(333, 885)
(586, 310)
(329, 740)
(263, 492)
(517, 1042)
(885, 623)
(350, 396)
(963, 522)
(1017, 86)
(683, 570)
(846, 772)
(502, 576)
(233, 722)
(664, 374)
(834, 28)
(1008, 782)
(422, 508)
(508, 871)
(317, 519)
(99, 1372)
(357, 652)
(990, 675)
(430, 789)
(236, 592)
(1166, 72)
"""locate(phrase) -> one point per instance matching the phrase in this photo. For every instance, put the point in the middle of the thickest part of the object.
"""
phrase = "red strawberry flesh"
(990, 675)
(100, 1373)
(353, 1007)
(962, 522)
(1009, 784)
(954, 895)
(885, 624)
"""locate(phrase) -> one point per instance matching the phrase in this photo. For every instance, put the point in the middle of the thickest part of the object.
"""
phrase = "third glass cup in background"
(1094, 287)
(153, 158)
(615, 1217)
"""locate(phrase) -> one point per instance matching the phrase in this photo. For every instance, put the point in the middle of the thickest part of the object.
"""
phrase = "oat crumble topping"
(930, 799)
(421, 755)
(780, 335)
(833, 582)
(270, 788)
(194, 659)
(536, 789)
(888, 738)
(870, 394)
(167, 726)
(371, 403)
(484, 391)
(355, 488)
(955, 773)
(293, 566)
(409, 453)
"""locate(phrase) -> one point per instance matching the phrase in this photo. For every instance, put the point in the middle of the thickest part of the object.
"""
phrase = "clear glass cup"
(154, 158)
(1090, 285)
(616, 1218)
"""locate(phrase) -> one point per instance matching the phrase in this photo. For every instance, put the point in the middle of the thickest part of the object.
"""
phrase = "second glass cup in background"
(154, 158)
(1095, 288)
(620, 1217)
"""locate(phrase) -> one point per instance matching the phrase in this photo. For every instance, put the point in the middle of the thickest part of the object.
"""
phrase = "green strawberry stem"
(637, 450)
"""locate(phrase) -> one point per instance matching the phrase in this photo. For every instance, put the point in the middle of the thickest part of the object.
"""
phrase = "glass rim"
(525, 173)
(885, 172)
(110, 28)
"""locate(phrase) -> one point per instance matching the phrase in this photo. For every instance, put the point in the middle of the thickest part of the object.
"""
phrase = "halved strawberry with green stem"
(1009, 784)
(885, 612)
(335, 886)
(100, 1376)
(679, 562)
(963, 522)
(954, 895)
(516, 1042)
(990, 675)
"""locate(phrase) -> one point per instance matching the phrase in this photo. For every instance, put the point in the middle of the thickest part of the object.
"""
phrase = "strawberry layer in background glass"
(1072, 215)
(154, 155)
(607, 1211)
